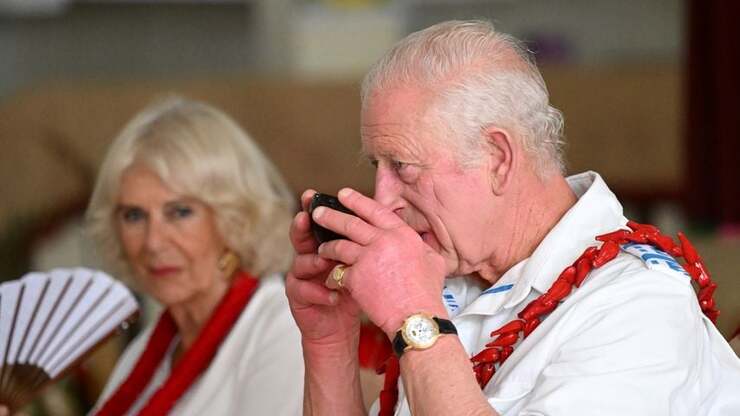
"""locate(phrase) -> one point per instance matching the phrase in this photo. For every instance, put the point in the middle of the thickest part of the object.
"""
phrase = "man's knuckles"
(304, 265)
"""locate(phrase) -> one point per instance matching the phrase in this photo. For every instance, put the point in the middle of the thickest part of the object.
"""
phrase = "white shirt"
(631, 340)
(258, 369)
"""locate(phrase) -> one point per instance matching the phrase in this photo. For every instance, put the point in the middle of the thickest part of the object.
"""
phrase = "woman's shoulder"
(272, 283)
(264, 345)
(126, 361)
(266, 327)
(269, 299)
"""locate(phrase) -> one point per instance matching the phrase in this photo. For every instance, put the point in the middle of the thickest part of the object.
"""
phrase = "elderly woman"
(188, 206)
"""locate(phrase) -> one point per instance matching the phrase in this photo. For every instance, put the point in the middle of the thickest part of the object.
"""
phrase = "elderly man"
(473, 228)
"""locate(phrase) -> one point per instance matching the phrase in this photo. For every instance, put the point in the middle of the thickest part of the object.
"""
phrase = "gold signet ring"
(337, 274)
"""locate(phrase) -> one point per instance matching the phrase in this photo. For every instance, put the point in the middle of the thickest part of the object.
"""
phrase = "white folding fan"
(49, 320)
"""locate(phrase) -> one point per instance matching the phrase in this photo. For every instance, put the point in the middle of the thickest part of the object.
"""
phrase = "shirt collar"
(492, 299)
(596, 212)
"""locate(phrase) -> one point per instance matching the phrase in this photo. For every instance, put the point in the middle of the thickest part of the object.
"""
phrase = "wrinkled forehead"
(396, 142)
(402, 121)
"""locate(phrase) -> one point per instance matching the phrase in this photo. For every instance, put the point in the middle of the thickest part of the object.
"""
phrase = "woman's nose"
(155, 235)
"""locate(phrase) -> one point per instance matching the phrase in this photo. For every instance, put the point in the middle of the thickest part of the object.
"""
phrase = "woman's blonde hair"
(200, 152)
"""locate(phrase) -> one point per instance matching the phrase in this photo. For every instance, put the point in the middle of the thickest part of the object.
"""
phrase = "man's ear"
(501, 150)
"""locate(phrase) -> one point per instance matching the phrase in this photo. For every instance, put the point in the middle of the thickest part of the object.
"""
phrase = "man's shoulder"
(655, 259)
(633, 295)
(642, 265)
(641, 276)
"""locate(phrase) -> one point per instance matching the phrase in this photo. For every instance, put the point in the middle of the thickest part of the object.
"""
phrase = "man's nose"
(388, 189)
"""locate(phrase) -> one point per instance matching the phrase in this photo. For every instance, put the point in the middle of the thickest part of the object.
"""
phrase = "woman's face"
(170, 241)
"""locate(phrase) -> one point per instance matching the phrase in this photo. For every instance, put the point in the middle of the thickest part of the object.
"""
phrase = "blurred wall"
(591, 31)
(124, 39)
(136, 39)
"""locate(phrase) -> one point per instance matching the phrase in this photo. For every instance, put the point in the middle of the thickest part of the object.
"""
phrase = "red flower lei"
(193, 362)
(499, 349)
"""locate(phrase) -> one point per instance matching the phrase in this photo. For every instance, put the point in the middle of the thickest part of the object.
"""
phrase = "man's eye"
(132, 215)
(398, 165)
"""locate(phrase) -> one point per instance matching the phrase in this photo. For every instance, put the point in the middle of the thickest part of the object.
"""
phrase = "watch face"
(420, 331)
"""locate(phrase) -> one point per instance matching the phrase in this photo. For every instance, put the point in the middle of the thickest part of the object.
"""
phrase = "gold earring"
(228, 263)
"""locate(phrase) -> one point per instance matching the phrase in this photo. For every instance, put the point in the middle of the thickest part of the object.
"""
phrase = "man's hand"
(330, 327)
(324, 316)
(391, 273)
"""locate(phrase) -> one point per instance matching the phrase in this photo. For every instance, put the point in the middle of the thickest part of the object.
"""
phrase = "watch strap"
(399, 344)
(445, 326)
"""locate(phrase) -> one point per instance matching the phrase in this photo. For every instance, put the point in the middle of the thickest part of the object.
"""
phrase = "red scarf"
(193, 362)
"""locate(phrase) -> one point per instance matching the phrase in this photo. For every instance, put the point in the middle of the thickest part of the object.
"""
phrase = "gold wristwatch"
(420, 331)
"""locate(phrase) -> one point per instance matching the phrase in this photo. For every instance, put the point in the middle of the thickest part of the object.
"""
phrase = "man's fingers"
(307, 266)
(300, 229)
(300, 234)
(369, 209)
(350, 226)
(304, 293)
(341, 251)
(337, 278)
(306, 197)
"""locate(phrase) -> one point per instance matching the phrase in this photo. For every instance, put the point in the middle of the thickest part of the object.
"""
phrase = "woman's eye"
(180, 211)
(131, 215)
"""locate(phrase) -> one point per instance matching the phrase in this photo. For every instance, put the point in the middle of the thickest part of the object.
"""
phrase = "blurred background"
(649, 88)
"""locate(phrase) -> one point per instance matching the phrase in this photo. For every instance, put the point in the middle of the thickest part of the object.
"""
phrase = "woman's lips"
(163, 271)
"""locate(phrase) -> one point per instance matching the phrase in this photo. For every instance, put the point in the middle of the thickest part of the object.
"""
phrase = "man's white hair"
(480, 78)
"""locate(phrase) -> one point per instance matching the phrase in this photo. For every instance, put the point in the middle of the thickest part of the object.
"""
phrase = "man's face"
(419, 177)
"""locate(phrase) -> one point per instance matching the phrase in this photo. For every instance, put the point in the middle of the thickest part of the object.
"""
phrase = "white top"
(631, 341)
(258, 369)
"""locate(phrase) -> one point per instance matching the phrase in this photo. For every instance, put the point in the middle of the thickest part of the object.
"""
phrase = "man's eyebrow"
(366, 153)
(372, 156)
(369, 156)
